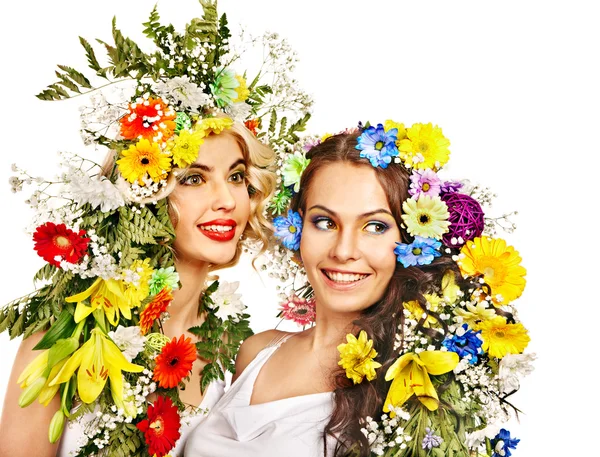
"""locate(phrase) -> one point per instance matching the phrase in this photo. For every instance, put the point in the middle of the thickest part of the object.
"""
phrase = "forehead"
(346, 189)
(219, 149)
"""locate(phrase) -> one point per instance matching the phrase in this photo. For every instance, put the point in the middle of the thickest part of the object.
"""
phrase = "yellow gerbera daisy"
(138, 290)
(242, 90)
(141, 158)
(389, 124)
(498, 263)
(424, 147)
(213, 125)
(185, 147)
(426, 217)
(357, 357)
(500, 338)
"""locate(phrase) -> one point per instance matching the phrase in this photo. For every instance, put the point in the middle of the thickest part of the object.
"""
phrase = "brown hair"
(381, 320)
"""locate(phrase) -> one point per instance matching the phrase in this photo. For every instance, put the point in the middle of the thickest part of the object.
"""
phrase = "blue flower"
(430, 440)
(421, 251)
(378, 146)
(503, 443)
(466, 344)
(289, 229)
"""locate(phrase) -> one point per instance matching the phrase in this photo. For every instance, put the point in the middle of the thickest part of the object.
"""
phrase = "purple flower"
(289, 229)
(451, 186)
(430, 440)
(503, 443)
(466, 343)
(425, 182)
(421, 251)
(377, 145)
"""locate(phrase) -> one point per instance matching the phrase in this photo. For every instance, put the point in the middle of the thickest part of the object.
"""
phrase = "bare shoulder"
(252, 346)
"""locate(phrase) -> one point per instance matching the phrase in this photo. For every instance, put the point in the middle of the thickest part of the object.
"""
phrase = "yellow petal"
(400, 390)
(424, 388)
(85, 294)
(115, 358)
(398, 366)
(82, 311)
(34, 370)
(92, 374)
(439, 362)
(69, 367)
(48, 392)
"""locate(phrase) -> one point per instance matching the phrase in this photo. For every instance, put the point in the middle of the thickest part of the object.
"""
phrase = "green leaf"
(76, 76)
(90, 54)
(62, 328)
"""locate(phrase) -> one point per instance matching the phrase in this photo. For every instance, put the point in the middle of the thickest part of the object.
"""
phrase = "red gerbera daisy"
(151, 119)
(161, 429)
(299, 310)
(252, 125)
(154, 309)
(53, 240)
(174, 362)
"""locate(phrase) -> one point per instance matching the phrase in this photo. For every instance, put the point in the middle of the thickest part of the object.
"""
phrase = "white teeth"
(217, 228)
(344, 277)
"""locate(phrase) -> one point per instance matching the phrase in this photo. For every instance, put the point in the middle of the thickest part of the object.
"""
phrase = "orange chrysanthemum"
(152, 119)
(174, 362)
(154, 309)
(252, 125)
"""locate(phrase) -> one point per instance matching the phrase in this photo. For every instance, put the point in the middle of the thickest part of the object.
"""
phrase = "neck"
(183, 310)
(330, 330)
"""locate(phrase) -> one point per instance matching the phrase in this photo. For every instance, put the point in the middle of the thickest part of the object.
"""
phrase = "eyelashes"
(326, 224)
(196, 179)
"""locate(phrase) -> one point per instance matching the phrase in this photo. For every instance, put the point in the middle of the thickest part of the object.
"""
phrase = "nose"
(346, 246)
(223, 199)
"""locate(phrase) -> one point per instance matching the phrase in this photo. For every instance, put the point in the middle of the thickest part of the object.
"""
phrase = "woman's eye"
(324, 224)
(238, 177)
(376, 227)
(192, 180)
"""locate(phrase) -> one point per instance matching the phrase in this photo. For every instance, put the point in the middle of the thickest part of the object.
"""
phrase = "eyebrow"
(361, 216)
(208, 169)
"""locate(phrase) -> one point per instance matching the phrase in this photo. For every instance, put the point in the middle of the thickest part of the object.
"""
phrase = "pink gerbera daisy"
(299, 310)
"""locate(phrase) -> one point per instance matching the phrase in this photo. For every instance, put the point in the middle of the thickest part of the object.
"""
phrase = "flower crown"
(106, 234)
(460, 351)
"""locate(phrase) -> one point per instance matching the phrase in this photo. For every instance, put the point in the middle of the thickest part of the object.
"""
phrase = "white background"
(513, 84)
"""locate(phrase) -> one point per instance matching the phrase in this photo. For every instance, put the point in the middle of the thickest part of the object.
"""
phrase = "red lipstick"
(214, 229)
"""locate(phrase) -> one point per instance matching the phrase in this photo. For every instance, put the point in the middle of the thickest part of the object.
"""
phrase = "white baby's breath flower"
(129, 339)
(228, 302)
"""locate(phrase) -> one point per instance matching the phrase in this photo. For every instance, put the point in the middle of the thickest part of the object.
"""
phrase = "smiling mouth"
(344, 278)
(217, 228)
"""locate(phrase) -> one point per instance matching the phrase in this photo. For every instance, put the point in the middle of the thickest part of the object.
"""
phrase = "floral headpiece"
(106, 233)
(460, 350)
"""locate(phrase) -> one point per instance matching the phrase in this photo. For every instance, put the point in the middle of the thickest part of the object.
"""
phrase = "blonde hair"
(261, 179)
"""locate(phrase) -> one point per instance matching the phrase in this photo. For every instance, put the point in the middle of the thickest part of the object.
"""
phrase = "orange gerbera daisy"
(252, 125)
(152, 119)
(174, 362)
(154, 309)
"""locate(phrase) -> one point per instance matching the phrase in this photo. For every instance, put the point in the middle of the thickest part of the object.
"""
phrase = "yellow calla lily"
(108, 294)
(410, 374)
(97, 360)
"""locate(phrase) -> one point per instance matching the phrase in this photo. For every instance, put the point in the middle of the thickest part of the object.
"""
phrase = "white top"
(291, 427)
(72, 436)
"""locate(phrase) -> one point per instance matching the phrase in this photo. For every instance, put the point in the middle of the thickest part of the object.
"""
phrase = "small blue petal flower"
(468, 344)
(503, 443)
(378, 146)
(421, 251)
(289, 229)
